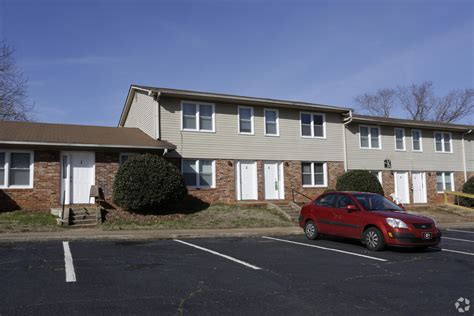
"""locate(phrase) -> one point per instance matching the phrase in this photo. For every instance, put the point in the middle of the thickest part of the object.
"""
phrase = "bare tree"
(418, 100)
(454, 106)
(14, 104)
(380, 103)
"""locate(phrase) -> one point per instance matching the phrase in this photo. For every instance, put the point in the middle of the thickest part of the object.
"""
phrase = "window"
(399, 139)
(126, 156)
(416, 140)
(246, 120)
(313, 125)
(271, 122)
(343, 201)
(197, 116)
(444, 181)
(370, 137)
(378, 174)
(443, 142)
(198, 173)
(328, 200)
(314, 174)
(16, 169)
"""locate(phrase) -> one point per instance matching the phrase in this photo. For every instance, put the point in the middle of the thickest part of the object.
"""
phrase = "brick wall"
(46, 185)
(106, 167)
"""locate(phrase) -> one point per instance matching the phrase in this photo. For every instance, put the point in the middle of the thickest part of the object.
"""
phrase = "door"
(78, 175)
(348, 222)
(401, 186)
(247, 180)
(323, 209)
(273, 180)
(419, 187)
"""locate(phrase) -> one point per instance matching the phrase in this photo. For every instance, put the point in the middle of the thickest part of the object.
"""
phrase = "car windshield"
(374, 202)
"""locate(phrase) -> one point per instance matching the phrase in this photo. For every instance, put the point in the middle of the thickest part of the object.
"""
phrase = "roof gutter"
(464, 153)
(346, 121)
(80, 145)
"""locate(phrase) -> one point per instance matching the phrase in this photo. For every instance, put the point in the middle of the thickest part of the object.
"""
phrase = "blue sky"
(81, 56)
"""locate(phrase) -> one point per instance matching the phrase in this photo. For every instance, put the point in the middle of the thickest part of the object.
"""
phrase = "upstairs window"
(399, 139)
(370, 137)
(16, 169)
(443, 143)
(271, 122)
(197, 116)
(416, 140)
(313, 125)
(246, 120)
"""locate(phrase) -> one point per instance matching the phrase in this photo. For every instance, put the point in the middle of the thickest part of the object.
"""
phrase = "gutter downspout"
(347, 121)
(464, 153)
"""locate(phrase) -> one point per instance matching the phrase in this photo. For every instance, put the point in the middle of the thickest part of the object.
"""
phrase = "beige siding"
(226, 143)
(142, 114)
(469, 143)
(427, 160)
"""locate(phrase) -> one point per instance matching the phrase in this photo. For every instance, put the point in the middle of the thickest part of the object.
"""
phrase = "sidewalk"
(99, 234)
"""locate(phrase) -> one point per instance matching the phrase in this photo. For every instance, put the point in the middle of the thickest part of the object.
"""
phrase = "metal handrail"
(293, 191)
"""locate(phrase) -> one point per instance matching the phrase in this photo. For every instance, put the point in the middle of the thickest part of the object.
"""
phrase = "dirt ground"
(444, 213)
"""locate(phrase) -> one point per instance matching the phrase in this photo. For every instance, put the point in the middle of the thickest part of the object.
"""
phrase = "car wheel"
(310, 230)
(373, 239)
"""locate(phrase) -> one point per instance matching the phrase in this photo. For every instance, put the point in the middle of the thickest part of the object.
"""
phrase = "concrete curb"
(97, 234)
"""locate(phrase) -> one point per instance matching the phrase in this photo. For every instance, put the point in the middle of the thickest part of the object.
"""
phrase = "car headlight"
(395, 222)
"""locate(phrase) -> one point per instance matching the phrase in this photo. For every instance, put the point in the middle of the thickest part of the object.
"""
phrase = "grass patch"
(215, 216)
(443, 213)
(27, 221)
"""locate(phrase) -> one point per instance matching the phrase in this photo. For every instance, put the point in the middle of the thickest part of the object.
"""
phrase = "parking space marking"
(325, 248)
(460, 231)
(219, 254)
(70, 274)
(458, 239)
(457, 251)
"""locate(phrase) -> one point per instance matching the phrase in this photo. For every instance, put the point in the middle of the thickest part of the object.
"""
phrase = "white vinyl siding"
(370, 137)
(416, 138)
(313, 125)
(399, 139)
(246, 120)
(197, 116)
(199, 173)
(444, 181)
(443, 142)
(271, 122)
(143, 114)
(16, 170)
(314, 174)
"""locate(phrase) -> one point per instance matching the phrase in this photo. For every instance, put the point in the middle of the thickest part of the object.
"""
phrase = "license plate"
(426, 236)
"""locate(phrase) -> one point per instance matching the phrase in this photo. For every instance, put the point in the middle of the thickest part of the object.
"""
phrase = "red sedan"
(369, 217)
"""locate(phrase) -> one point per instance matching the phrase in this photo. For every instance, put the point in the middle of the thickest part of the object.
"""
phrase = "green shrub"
(468, 187)
(148, 183)
(359, 180)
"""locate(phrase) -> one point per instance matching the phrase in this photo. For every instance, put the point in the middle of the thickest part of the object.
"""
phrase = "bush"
(468, 187)
(359, 180)
(148, 183)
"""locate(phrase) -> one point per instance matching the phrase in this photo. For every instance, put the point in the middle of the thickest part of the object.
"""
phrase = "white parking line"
(325, 248)
(70, 274)
(457, 251)
(458, 239)
(219, 254)
(460, 231)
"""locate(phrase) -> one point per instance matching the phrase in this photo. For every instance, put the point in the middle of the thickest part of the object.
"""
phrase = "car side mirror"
(351, 208)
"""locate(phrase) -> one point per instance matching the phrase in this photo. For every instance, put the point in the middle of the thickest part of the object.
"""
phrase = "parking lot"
(261, 275)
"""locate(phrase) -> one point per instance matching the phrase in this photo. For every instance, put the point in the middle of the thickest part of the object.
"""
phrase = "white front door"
(78, 175)
(419, 187)
(273, 180)
(247, 180)
(401, 186)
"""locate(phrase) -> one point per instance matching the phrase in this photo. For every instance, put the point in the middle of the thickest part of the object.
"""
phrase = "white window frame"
(265, 122)
(252, 119)
(197, 117)
(8, 153)
(198, 186)
(313, 185)
(443, 151)
(369, 137)
(421, 141)
(403, 138)
(126, 154)
(444, 180)
(312, 125)
(379, 176)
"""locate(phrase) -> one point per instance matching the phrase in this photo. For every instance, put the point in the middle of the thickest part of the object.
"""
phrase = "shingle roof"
(407, 122)
(78, 135)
